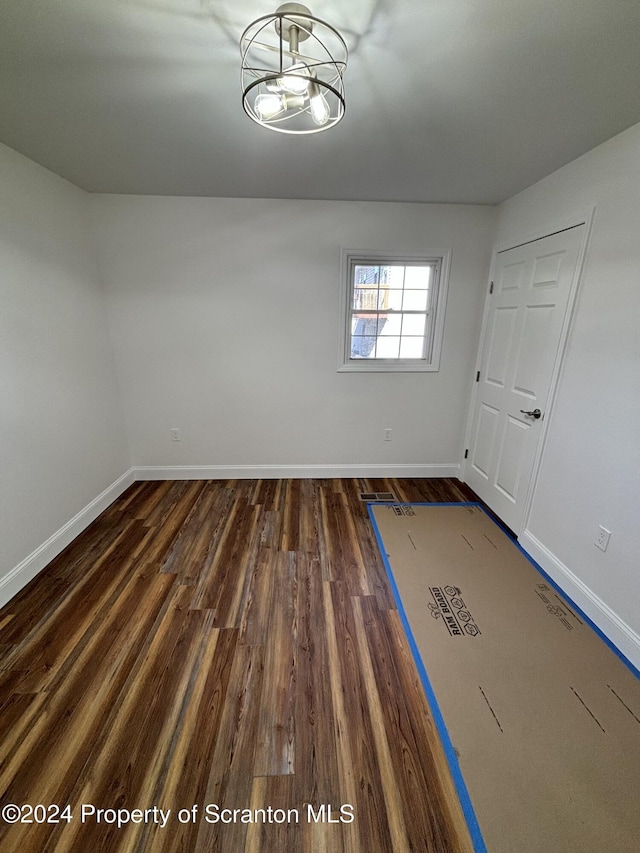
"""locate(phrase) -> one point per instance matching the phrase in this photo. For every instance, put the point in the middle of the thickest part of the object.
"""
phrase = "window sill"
(379, 366)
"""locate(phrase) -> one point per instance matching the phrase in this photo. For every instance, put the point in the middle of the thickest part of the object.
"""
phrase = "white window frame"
(431, 361)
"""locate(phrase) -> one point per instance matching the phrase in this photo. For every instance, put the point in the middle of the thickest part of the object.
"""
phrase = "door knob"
(536, 413)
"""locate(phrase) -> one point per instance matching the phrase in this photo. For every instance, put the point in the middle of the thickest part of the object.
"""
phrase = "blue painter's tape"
(454, 767)
(608, 642)
(625, 660)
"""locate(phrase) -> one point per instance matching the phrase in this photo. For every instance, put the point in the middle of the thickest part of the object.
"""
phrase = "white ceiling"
(447, 100)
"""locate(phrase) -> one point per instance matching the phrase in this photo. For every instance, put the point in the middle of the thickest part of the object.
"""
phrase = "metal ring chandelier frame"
(287, 90)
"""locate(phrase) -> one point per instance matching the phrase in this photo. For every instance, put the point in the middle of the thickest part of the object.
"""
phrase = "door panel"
(525, 322)
(538, 324)
(511, 276)
(487, 426)
(500, 345)
(547, 270)
(510, 457)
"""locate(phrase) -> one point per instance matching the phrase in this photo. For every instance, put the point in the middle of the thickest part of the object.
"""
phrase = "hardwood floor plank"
(186, 778)
(370, 805)
(234, 569)
(283, 822)
(357, 511)
(379, 722)
(230, 779)
(343, 554)
(196, 542)
(223, 578)
(16, 707)
(167, 519)
(275, 747)
(290, 538)
(443, 803)
(310, 526)
(349, 779)
(256, 613)
(317, 741)
(170, 506)
(405, 747)
(141, 502)
(268, 494)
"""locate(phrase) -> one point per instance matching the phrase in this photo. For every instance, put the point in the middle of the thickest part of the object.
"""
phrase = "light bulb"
(318, 107)
(295, 79)
(268, 105)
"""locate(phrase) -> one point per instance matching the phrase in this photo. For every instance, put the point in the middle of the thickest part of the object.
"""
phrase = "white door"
(523, 334)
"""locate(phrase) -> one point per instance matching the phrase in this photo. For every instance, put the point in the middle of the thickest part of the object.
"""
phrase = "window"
(392, 311)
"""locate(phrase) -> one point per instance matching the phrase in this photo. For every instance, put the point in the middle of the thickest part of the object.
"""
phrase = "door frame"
(565, 224)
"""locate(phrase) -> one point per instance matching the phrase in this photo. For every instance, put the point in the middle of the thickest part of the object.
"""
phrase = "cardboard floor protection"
(542, 715)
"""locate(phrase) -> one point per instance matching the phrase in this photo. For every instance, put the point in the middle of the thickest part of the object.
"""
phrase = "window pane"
(413, 324)
(362, 347)
(366, 298)
(366, 275)
(365, 330)
(388, 346)
(415, 300)
(393, 325)
(412, 347)
(371, 325)
(394, 300)
(417, 278)
(394, 276)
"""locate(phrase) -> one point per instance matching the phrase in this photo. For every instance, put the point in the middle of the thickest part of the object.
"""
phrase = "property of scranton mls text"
(211, 813)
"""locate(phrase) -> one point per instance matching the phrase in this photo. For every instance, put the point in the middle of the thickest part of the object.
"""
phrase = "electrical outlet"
(602, 539)
(387, 435)
(175, 435)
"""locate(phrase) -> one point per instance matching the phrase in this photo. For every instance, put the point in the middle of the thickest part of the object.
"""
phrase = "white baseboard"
(612, 626)
(273, 472)
(20, 576)
(25, 571)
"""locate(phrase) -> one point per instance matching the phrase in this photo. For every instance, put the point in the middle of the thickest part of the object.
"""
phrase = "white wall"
(224, 315)
(62, 431)
(590, 474)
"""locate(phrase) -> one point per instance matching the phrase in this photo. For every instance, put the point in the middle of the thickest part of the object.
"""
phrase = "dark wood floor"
(223, 642)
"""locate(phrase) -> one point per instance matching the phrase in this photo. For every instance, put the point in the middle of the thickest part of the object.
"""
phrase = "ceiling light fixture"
(285, 89)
